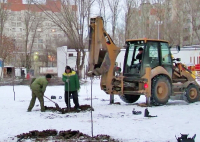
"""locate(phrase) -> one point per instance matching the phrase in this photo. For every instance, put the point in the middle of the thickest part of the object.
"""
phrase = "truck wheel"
(160, 91)
(129, 98)
(192, 94)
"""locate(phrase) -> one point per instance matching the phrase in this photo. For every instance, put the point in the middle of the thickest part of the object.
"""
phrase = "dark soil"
(65, 110)
(69, 136)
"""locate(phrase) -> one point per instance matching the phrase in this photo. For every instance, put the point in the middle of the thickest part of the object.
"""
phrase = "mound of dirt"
(65, 110)
(68, 135)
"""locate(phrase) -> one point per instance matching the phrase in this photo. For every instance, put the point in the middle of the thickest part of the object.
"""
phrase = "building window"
(40, 46)
(34, 46)
(18, 18)
(40, 40)
(11, 17)
(13, 29)
(37, 35)
(19, 24)
(13, 24)
(35, 40)
(70, 55)
(186, 30)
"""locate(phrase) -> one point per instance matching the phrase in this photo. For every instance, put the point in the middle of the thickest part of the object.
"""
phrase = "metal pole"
(52, 60)
(68, 106)
(14, 72)
(147, 101)
(91, 109)
(111, 98)
(14, 88)
(158, 30)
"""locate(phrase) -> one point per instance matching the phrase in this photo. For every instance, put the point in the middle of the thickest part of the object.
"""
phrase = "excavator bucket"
(100, 57)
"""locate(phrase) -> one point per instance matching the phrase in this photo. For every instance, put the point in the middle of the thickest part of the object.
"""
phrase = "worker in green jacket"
(38, 88)
(72, 78)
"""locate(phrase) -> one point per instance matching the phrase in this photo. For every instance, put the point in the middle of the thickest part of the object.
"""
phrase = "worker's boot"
(42, 109)
(78, 109)
(68, 108)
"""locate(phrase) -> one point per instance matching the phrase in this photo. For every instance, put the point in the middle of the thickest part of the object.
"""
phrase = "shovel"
(57, 106)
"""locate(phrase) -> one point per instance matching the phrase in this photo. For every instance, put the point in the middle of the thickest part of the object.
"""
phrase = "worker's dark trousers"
(75, 98)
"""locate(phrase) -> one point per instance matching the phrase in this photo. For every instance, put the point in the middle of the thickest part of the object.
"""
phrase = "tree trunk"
(80, 60)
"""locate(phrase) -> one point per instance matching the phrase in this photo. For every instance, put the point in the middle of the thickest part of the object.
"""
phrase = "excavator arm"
(102, 54)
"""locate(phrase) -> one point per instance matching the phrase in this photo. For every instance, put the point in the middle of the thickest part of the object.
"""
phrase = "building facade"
(172, 20)
(33, 31)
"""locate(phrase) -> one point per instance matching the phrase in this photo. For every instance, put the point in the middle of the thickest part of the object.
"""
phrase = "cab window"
(165, 51)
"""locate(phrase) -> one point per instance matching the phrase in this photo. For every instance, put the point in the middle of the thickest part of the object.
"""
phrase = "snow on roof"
(8, 66)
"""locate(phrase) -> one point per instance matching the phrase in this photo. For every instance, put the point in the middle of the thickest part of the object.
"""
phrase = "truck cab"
(155, 53)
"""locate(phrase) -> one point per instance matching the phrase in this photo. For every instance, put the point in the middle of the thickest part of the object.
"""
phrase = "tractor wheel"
(192, 94)
(129, 98)
(161, 90)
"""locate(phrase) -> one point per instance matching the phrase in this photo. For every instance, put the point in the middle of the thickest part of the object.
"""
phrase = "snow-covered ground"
(115, 120)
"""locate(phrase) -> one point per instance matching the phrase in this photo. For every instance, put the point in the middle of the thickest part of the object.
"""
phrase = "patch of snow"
(115, 120)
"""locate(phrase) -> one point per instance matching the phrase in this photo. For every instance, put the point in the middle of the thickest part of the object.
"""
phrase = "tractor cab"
(146, 53)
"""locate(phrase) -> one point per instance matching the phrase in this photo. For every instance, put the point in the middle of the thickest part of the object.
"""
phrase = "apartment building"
(29, 26)
(172, 20)
(145, 21)
(187, 12)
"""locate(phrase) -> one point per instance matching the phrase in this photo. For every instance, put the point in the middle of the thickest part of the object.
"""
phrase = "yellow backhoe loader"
(157, 75)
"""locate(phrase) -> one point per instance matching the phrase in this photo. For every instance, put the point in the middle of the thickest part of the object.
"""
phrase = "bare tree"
(32, 22)
(103, 12)
(193, 12)
(179, 22)
(120, 38)
(50, 50)
(7, 47)
(72, 21)
(114, 7)
(168, 23)
(3, 18)
(132, 22)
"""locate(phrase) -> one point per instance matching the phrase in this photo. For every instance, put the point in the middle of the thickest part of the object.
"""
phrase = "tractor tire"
(192, 94)
(129, 98)
(160, 90)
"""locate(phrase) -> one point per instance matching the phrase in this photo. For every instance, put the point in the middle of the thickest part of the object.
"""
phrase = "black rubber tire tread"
(154, 99)
(129, 98)
(187, 97)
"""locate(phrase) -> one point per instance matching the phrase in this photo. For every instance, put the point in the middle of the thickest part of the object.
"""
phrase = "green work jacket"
(72, 77)
(39, 84)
